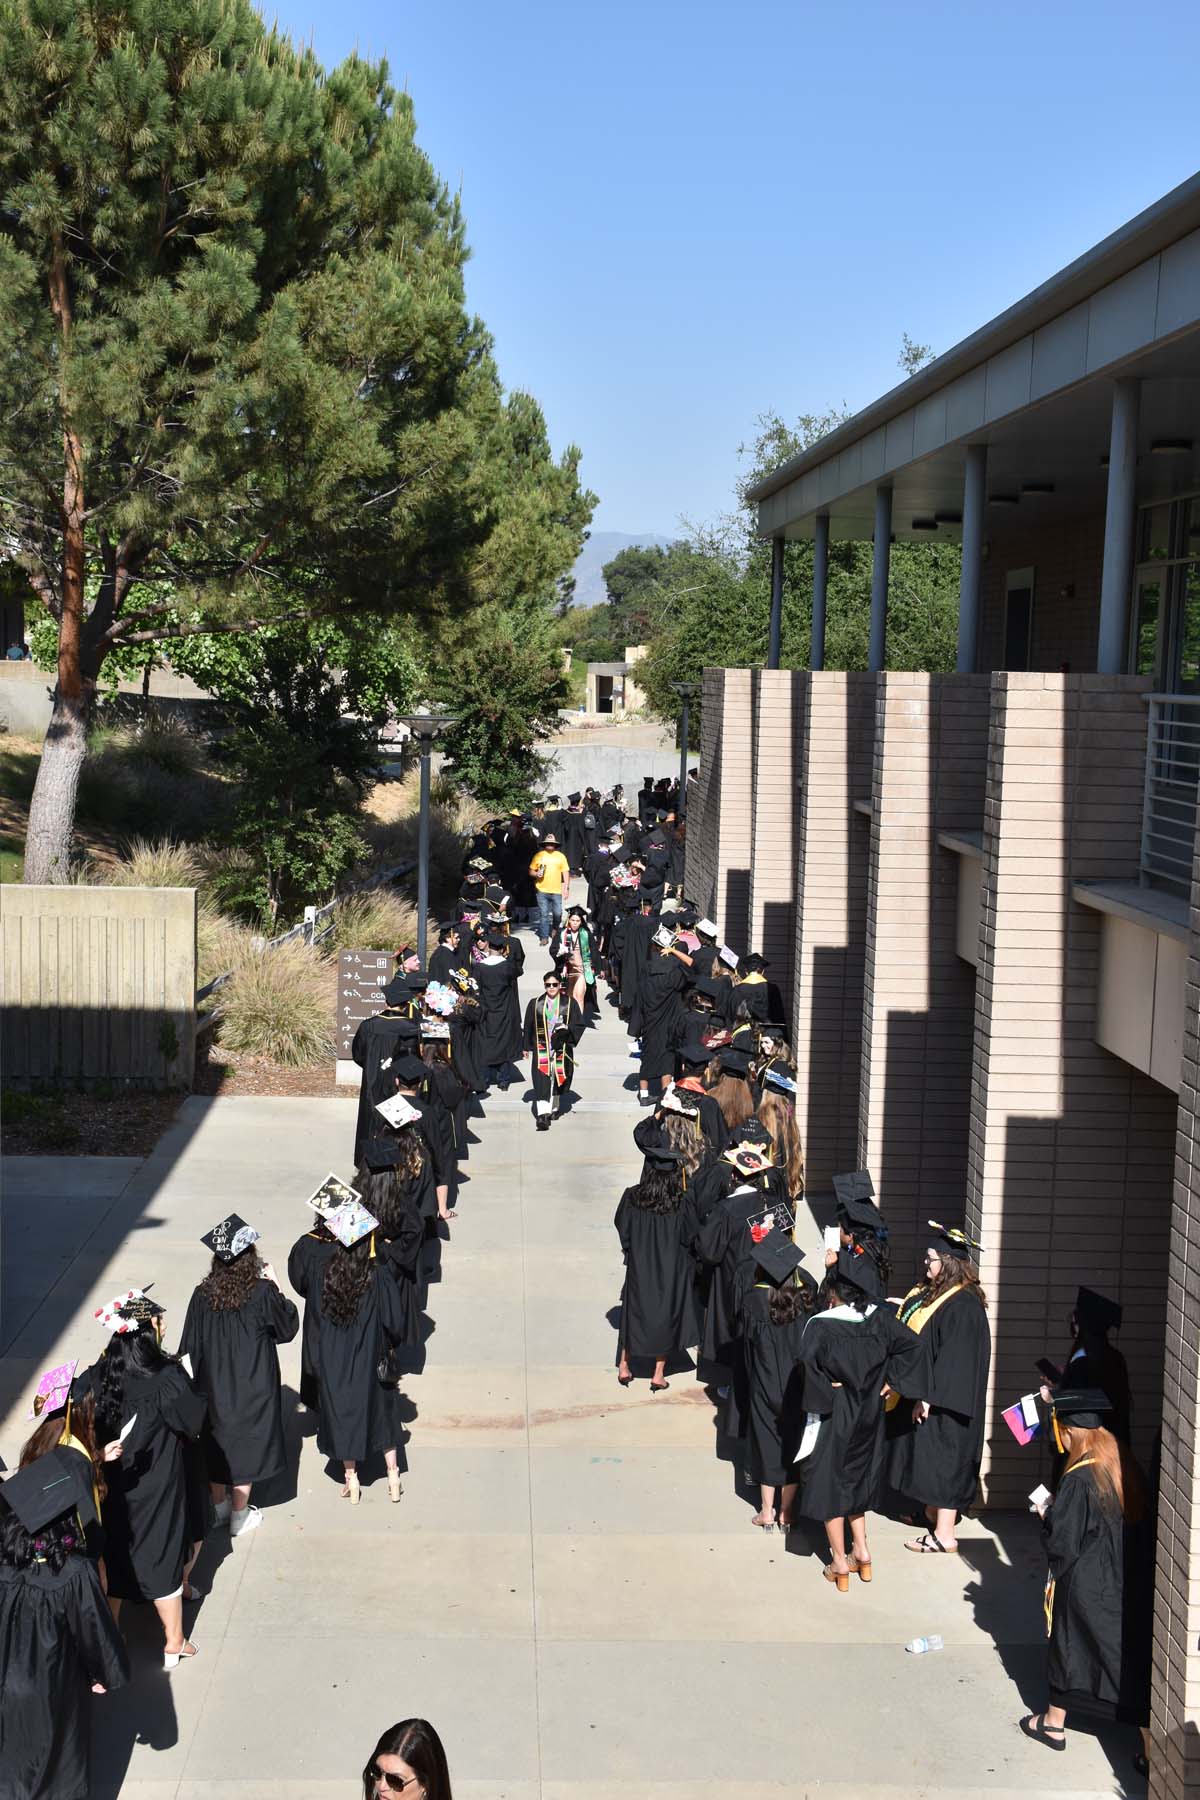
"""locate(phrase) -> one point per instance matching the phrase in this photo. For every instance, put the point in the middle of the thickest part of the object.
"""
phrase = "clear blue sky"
(684, 213)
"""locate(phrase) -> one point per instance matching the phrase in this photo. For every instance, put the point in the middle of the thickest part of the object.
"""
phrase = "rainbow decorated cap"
(351, 1222)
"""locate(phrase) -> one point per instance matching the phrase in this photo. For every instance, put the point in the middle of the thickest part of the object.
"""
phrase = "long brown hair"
(955, 1271)
(48, 1434)
(686, 1136)
(1118, 1478)
(734, 1098)
(780, 1121)
(228, 1285)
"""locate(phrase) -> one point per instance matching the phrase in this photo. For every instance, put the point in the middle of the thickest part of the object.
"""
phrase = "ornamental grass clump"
(278, 1005)
(376, 919)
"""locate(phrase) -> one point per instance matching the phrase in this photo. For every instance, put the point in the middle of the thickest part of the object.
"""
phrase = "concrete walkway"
(570, 1589)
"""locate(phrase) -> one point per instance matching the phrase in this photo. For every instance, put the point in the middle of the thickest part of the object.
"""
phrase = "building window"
(1165, 634)
(1018, 619)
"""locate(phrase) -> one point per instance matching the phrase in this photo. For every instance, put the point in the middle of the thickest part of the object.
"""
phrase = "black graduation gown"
(498, 1036)
(464, 1047)
(375, 1041)
(235, 1363)
(775, 1388)
(447, 1106)
(306, 1270)
(724, 1242)
(570, 1017)
(712, 1120)
(657, 1014)
(937, 1463)
(400, 1247)
(148, 1529)
(443, 960)
(57, 1636)
(574, 844)
(357, 1415)
(845, 1471)
(658, 1313)
(761, 999)
(635, 953)
(1101, 1619)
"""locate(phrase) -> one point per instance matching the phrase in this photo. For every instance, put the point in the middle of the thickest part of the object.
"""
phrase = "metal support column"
(877, 652)
(423, 855)
(970, 581)
(816, 659)
(775, 642)
(1120, 522)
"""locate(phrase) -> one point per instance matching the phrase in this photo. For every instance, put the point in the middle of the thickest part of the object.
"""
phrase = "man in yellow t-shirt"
(552, 877)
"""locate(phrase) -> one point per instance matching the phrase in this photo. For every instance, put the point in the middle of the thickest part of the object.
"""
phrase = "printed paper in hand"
(398, 1111)
(1041, 1496)
(833, 1238)
(1029, 1411)
(132, 1419)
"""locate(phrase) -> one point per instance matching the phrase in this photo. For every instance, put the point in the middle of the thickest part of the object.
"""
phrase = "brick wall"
(1070, 1156)
(1175, 1700)
(1066, 558)
(717, 873)
(919, 996)
(833, 861)
(779, 697)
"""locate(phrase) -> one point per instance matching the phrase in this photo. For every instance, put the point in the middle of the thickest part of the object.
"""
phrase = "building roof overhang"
(1034, 385)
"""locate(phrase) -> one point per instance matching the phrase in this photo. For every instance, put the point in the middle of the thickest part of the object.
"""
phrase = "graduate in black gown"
(235, 1319)
(397, 1187)
(553, 1028)
(658, 1316)
(153, 1523)
(658, 1012)
(57, 1634)
(692, 1058)
(752, 1189)
(410, 1077)
(446, 1090)
(852, 1347)
(773, 1310)
(1100, 1585)
(861, 1225)
(498, 1034)
(375, 1045)
(574, 836)
(752, 990)
(937, 1437)
(451, 953)
(358, 1317)
(1092, 1362)
(640, 927)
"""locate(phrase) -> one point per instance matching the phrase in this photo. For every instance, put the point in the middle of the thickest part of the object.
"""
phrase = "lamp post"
(425, 729)
(687, 691)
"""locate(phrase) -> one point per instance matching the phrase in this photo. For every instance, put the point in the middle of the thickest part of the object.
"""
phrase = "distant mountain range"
(600, 548)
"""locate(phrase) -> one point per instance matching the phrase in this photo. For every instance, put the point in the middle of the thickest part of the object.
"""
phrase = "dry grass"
(393, 825)
(152, 864)
(377, 920)
(277, 1006)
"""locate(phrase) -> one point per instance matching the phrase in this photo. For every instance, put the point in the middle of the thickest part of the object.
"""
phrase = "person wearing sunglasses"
(408, 1760)
(553, 1027)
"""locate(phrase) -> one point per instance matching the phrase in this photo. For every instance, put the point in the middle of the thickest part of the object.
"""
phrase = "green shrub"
(278, 1005)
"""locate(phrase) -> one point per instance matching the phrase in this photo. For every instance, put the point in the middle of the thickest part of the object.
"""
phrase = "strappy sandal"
(173, 1658)
(1053, 1736)
(929, 1544)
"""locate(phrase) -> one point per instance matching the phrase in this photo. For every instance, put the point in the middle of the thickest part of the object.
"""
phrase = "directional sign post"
(361, 974)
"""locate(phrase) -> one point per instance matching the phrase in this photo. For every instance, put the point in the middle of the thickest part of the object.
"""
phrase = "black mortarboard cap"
(735, 1062)
(753, 1131)
(693, 1049)
(714, 987)
(397, 991)
(861, 1271)
(496, 935)
(382, 1153)
(1094, 1312)
(57, 1483)
(953, 1242)
(574, 799)
(777, 1256)
(754, 964)
(854, 1203)
(228, 1239)
(409, 1068)
(654, 1143)
(1086, 1407)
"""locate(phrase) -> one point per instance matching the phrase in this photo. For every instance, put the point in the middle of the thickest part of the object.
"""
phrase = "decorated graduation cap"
(777, 1256)
(664, 937)
(860, 1270)
(127, 1312)
(53, 1389)
(351, 1222)
(228, 1239)
(753, 1131)
(1086, 1407)
(673, 1101)
(1095, 1312)
(332, 1193)
(953, 1242)
(654, 1144)
(57, 1483)
(780, 1080)
(854, 1194)
(747, 1159)
(707, 927)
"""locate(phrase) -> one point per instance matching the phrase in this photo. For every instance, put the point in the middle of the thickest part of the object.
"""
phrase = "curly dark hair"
(129, 1353)
(844, 1292)
(347, 1278)
(51, 1544)
(659, 1190)
(874, 1246)
(787, 1303)
(387, 1193)
(228, 1285)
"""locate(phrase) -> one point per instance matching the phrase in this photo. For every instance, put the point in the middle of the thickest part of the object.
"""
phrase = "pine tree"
(237, 377)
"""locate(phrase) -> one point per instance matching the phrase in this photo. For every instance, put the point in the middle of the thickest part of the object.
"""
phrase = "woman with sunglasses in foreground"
(408, 1760)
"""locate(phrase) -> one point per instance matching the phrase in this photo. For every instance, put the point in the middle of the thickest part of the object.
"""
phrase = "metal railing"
(1172, 791)
(316, 925)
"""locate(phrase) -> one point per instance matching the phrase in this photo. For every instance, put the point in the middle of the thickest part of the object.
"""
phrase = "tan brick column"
(919, 996)
(719, 816)
(778, 698)
(1069, 1167)
(1175, 1700)
(833, 856)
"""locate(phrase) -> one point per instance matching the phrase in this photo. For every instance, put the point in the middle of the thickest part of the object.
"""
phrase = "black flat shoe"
(1053, 1736)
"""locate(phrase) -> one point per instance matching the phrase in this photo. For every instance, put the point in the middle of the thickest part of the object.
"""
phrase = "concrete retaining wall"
(99, 986)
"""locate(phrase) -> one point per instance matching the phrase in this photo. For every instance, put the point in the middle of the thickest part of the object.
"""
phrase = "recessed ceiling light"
(948, 518)
(924, 524)
(1003, 499)
(1037, 487)
(1170, 446)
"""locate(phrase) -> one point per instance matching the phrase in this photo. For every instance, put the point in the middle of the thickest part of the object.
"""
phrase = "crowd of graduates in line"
(838, 1400)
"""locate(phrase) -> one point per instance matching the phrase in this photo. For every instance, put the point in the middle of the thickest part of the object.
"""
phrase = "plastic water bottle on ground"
(919, 1646)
